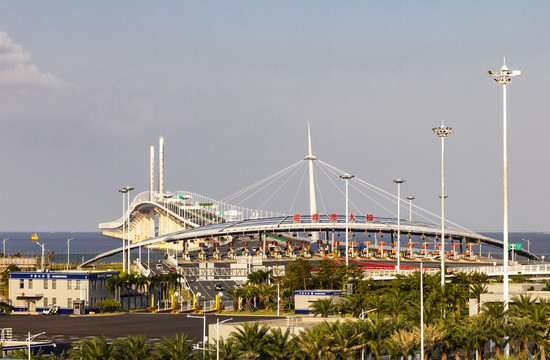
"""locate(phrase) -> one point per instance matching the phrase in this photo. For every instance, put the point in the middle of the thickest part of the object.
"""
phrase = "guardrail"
(19, 261)
(512, 270)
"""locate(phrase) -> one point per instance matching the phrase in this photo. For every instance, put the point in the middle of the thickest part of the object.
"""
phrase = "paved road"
(68, 329)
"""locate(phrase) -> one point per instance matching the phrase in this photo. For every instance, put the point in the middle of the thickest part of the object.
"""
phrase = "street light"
(503, 77)
(442, 131)
(410, 198)
(28, 342)
(421, 310)
(123, 191)
(4, 243)
(42, 259)
(218, 323)
(362, 317)
(347, 177)
(528, 244)
(68, 241)
(398, 182)
(128, 189)
(203, 332)
(166, 197)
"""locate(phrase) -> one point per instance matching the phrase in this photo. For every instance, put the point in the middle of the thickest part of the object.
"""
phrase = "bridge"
(160, 219)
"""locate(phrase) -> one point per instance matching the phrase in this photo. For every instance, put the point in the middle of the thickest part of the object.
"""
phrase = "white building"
(72, 291)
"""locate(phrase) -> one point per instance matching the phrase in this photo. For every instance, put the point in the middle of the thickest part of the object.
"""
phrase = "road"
(70, 329)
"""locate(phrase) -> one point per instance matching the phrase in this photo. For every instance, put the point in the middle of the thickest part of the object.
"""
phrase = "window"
(30, 283)
(77, 285)
(54, 300)
(45, 302)
(70, 303)
(69, 284)
(54, 284)
(45, 283)
(21, 284)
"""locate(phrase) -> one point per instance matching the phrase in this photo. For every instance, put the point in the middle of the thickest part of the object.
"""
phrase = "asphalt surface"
(70, 329)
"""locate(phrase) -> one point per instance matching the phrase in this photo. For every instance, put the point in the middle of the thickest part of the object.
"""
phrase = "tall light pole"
(28, 342)
(68, 241)
(528, 244)
(442, 131)
(421, 310)
(399, 182)
(410, 198)
(166, 197)
(4, 243)
(128, 189)
(203, 331)
(218, 323)
(123, 191)
(503, 77)
(347, 177)
(42, 259)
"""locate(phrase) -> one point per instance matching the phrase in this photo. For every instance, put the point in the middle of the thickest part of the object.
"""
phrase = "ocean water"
(85, 245)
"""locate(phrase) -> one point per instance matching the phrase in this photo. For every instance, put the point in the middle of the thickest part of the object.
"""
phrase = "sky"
(87, 87)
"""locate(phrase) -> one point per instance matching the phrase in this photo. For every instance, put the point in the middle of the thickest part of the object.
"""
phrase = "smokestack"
(161, 166)
(152, 175)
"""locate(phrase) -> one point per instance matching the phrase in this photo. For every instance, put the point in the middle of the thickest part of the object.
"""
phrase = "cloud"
(16, 67)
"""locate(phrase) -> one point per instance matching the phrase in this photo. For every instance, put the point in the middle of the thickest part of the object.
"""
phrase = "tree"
(96, 348)
(252, 341)
(403, 343)
(174, 348)
(132, 348)
(323, 307)
(299, 274)
(282, 343)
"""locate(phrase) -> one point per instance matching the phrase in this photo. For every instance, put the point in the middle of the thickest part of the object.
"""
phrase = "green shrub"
(108, 305)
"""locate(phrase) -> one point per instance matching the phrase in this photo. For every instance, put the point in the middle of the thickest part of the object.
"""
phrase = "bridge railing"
(512, 270)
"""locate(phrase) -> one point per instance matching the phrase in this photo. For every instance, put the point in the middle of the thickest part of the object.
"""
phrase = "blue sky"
(86, 87)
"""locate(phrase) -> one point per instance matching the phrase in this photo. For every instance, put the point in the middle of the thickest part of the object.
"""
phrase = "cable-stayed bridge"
(161, 219)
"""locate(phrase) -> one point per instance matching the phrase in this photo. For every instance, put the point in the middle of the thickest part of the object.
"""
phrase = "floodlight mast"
(442, 131)
(503, 77)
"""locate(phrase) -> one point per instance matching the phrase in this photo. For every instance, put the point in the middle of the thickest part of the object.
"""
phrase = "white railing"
(191, 201)
(377, 274)
(513, 270)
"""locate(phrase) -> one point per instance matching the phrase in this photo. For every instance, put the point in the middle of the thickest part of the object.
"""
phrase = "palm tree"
(249, 292)
(354, 304)
(523, 330)
(282, 342)
(227, 350)
(496, 314)
(264, 291)
(174, 348)
(378, 330)
(396, 304)
(132, 348)
(403, 343)
(92, 349)
(312, 344)
(346, 340)
(522, 305)
(433, 336)
(476, 290)
(252, 341)
(323, 307)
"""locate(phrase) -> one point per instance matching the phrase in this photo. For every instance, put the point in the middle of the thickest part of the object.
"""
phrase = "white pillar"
(152, 174)
(161, 166)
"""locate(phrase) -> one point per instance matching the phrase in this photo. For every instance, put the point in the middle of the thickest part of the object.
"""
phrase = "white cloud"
(17, 68)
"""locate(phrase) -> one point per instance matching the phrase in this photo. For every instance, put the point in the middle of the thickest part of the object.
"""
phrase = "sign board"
(516, 246)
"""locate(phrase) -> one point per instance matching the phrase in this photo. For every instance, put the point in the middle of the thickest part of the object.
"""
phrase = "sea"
(82, 247)
(87, 245)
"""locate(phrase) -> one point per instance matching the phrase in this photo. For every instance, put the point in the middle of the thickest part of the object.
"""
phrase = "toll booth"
(278, 254)
(217, 255)
(186, 256)
(79, 307)
(246, 253)
(231, 254)
(322, 252)
(202, 255)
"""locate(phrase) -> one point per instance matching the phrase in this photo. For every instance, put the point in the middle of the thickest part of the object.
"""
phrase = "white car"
(51, 310)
